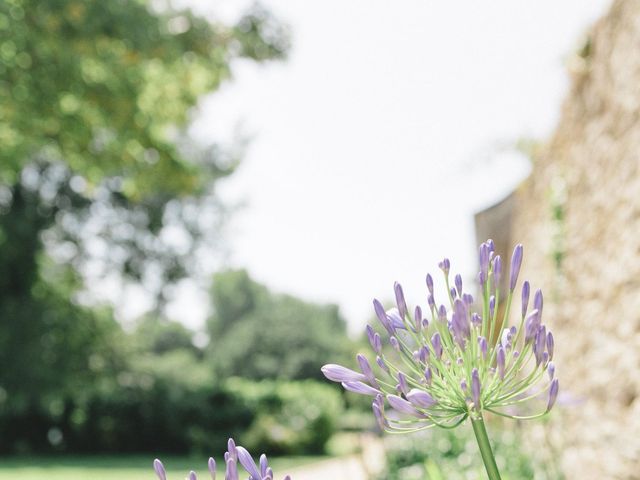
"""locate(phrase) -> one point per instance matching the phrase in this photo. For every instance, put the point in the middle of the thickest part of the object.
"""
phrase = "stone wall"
(578, 216)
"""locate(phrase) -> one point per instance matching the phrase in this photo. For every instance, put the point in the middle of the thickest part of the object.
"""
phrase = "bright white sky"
(390, 124)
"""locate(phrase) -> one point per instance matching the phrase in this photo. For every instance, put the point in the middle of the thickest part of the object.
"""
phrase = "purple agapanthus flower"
(457, 360)
(234, 455)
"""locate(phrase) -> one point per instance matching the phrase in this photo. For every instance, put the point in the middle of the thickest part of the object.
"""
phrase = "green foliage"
(258, 334)
(94, 99)
(292, 417)
(453, 455)
(103, 86)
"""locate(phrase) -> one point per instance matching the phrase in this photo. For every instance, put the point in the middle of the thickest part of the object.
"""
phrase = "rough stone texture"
(578, 216)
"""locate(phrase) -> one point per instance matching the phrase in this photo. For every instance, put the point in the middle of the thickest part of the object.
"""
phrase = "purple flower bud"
(436, 342)
(417, 316)
(231, 449)
(500, 361)
(458, 284)
(425, 323)
(505, 339)
(537, 301)
(540, 343)
(428, 376)
(232, 470)
(531, 326)
(545, 358)
(402, 305)
(460, 322)
(338, 373)
(484, 262)
(402, 382)
(467, 298)
(492, 306)
(192, 475)
(270, 475)
(420, 398)
(453, 292)
(516, 262)
(159, 469)
(476, 319)
(442, 313)
(247, 462)
(381, 363)
(365, 367)
(382, 421)
(550, 344)
(360, 388)
(382, 316)
(491, 246)
(516, 354)
(475, 388)
(370, 333)
(553, 393)
(423, 354)
(459, 361)
(212, 468)
(394, 318)
(430, 283)
(263, 465)
(525, 297)
(431, 301)
(497, 270)
(482, 343)
(551, 370)
(394, 343)
(463, 385)
(401, 405)
(445, 266)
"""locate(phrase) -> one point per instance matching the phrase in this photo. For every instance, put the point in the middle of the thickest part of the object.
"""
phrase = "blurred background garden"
(199, 200)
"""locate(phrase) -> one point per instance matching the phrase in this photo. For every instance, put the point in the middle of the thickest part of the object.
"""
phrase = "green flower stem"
(485, 447)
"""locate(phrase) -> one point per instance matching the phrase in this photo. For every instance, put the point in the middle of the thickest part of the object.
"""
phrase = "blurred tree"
(258, 334)
(105, 87)
(96, 175)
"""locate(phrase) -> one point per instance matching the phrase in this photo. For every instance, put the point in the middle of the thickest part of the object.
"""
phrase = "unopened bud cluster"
(233, 456)
(440, 365)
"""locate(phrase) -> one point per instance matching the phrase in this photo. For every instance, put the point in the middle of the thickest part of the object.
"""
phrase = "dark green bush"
(291, 417)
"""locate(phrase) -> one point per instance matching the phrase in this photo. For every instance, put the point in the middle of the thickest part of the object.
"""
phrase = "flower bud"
(430, 283)
(553, 393)
(516, 262)
(338, 373)
(159, 469)
(402, 305)
(360, 388)
(365, 367)
(458, 284)
(420, 398)
(475, 388)
(500, 361)
(497, 270)
(401, 405)
(212, 468)
(525, 297)
(445, 266)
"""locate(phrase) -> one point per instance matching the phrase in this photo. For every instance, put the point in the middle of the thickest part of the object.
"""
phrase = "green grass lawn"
(119, 467)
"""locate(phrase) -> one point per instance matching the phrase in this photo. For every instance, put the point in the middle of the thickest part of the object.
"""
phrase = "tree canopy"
(258, 334)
